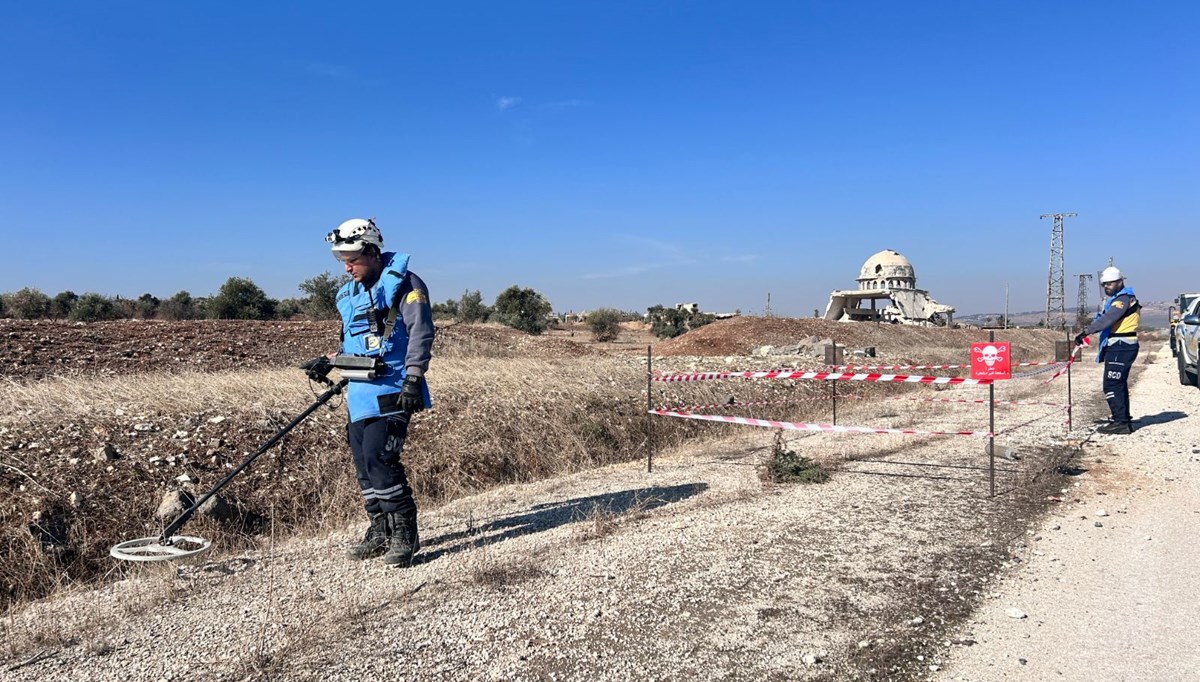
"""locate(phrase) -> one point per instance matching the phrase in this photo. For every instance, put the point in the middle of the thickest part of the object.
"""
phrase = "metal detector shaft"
(170, 530)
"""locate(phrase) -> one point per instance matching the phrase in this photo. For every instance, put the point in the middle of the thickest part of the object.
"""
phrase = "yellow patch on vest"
(1118, 304)
(416, 296)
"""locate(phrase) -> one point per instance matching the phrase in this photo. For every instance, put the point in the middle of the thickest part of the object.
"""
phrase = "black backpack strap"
(394, 310)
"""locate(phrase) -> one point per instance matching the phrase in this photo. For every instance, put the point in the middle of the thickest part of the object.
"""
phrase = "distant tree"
(471, 307)
(697, 320)
(523, 309)
(124, 308)
(61, 304)
(605, 324)
(146, 306)
(321, 302)
(666, 323)
(445, 311)
(29, 304)
(288, 308)
(241, 299)
(181, 306)
(3, 305)
(92, 307)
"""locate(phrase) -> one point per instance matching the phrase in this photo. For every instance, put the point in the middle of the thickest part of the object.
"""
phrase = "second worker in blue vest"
(385, 315)
(1118, 346)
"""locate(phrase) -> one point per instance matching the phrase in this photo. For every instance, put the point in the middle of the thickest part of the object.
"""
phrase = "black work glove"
(1079, 339)
(318, 367)
(412, 398)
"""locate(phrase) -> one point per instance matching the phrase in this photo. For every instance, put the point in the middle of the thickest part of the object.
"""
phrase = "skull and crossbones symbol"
(991, 354)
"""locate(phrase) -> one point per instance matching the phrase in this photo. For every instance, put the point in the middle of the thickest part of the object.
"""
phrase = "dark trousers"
(1118, 363)
(376, 444)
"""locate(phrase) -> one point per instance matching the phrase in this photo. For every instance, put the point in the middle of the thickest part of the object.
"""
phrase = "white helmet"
(351, 236)
(1110, 274)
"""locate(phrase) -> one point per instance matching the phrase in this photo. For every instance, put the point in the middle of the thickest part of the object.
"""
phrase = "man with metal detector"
(386, 343)
(1118, 346)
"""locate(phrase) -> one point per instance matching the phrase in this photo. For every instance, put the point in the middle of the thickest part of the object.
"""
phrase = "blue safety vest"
(1124, 321)
(364, 312)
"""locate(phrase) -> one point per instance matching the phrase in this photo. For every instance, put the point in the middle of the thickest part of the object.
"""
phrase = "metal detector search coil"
(154, 549)
(168, 545)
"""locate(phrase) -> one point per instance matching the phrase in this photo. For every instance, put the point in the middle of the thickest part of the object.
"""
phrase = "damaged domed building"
(887, 291)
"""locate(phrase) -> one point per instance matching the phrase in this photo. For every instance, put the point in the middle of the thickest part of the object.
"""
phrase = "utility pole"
(1056, 295)
(767, 311)
(1006, 305)
(1081, 306)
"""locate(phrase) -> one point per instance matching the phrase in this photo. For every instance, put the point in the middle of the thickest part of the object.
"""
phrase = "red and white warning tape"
(978, 402)
(821, 376)
(799, 426)
(907, 367)
(826, 398)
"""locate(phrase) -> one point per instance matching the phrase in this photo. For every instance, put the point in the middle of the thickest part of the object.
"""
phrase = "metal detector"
(169, 546)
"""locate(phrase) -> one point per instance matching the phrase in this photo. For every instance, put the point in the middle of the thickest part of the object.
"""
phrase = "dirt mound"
(893, 343)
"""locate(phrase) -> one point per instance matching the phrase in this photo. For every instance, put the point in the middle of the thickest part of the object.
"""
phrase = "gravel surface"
(695, 570)
(1109, 580)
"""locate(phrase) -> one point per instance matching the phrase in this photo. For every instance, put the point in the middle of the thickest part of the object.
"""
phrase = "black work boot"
(1116, 428)
(403, 542)
(375, 542)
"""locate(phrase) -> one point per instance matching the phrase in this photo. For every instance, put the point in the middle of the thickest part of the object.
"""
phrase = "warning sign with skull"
(990, 360)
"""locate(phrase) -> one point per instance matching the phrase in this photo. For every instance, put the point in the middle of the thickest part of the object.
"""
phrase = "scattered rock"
(76, 500)
(108, 452)
(1098, 524)
(1014, 612)
(1101, 513)
(811, 659)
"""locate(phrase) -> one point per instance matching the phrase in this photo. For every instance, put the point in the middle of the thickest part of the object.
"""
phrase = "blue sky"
(605, 153)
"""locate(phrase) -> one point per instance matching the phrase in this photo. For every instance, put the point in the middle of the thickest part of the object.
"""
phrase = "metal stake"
(649, 407)
(992, 428)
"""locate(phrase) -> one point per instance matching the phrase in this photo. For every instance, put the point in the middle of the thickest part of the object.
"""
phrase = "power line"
(1081, 306)
(1056, 293)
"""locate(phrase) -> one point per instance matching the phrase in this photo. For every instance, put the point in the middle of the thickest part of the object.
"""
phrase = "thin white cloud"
(506, 103)
(739, 259)
(328, 70)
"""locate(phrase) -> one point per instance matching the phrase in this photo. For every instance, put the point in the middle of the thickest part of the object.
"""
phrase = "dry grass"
(496, 420)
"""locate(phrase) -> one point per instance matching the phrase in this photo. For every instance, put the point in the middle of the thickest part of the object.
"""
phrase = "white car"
(1187, 333)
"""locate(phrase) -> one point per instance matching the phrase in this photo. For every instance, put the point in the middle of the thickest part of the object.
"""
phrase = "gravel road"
(1108, 590)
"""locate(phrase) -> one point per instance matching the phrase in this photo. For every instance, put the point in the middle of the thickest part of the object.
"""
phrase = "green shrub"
(523, 309)
(92, 307)
(785, 466)
(62, 303)
(29, 304)
(321, 302)
(241, 299)
(471, 308)
(605, 324)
